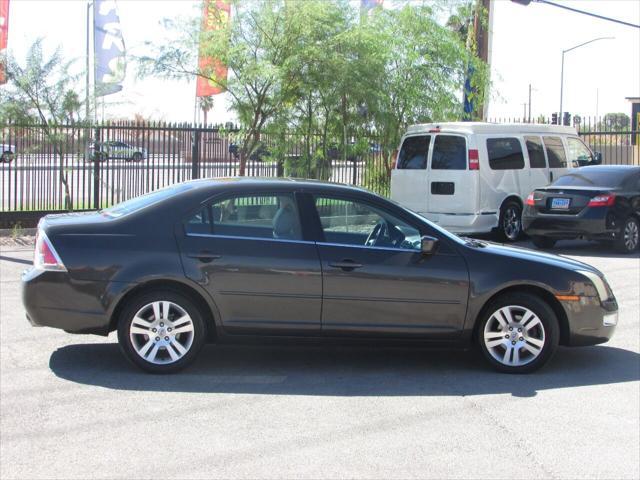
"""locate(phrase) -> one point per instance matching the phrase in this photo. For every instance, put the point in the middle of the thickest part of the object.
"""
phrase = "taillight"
(530, 201)
(46, 257)
(474, 161)
(606, 200)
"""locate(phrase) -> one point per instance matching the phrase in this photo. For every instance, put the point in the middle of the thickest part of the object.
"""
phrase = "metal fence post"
(195, 155)
(96, 168)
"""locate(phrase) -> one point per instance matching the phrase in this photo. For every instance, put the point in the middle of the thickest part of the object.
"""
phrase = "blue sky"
(527, 45)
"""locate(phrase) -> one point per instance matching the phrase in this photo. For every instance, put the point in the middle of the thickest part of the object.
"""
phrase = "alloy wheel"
(631, 235)
(511, 223)
(161, 332)
(514, 336)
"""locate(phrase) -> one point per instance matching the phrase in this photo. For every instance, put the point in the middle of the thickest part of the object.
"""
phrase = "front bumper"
(591, 322)
(54, 299)
(596, 223)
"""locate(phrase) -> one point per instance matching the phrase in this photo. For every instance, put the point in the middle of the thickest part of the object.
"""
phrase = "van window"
(579, 154)
(555, 152)
(505, 154)
(414, 151)
(449, 153)
(536, 152)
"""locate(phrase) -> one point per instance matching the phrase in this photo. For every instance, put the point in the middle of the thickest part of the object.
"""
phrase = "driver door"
(376, 281)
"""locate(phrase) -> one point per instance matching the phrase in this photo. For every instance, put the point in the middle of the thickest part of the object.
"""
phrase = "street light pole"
(562, 67)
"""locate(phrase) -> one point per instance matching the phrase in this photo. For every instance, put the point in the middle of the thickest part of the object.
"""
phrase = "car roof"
(223, 183)
(610, 168)
(491, 128)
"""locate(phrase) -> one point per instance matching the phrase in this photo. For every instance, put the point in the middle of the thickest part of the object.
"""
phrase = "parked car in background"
(474, 177)
(7, 152)
(116, 150)
(595, 203)
(234, 259)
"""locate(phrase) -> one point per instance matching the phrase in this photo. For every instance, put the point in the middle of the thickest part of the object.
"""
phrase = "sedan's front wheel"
(161, 332)
(518, 333)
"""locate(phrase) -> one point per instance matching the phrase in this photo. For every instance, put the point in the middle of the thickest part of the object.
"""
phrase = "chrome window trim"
(240, 237)
(330, 244)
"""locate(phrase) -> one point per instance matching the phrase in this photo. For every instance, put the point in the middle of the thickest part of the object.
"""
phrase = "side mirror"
(428, 245)
(597, 158)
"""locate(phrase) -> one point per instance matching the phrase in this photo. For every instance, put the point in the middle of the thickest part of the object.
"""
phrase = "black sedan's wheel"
(510, 225)
(518, 333)
(628, 239)
(543, 243)
(161, 332)
(136, 157)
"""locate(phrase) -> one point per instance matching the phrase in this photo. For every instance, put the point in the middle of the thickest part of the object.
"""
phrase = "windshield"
(143, 201)
(592, 178)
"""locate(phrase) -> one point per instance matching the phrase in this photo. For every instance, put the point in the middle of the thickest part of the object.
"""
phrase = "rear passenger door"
(538, 170)
(452, 189)
(556, 156)
(409, 180)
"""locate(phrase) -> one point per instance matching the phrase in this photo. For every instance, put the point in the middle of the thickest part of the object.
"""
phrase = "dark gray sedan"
(235, 259)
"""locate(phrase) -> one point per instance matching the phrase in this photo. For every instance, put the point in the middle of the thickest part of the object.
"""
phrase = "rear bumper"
(54, 299)
(591, 322)
(591, 223)
(464, 223)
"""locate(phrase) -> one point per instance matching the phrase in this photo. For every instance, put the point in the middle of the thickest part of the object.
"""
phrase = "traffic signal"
(566, 119)
(554, 119)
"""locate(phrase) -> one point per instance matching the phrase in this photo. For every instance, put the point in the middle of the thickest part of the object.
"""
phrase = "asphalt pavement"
(72, 407)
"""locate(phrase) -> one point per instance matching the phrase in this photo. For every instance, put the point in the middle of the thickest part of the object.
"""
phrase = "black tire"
(507, 231)
(199, 333)
(543, 243)
(628, 239)
(549, 327)
(136, 157)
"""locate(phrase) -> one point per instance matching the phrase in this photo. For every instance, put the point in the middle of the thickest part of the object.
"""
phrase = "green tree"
(41, 90)
(616, 121)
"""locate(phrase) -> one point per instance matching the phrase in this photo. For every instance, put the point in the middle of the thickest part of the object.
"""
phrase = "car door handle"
(204, 257)
(346, 265)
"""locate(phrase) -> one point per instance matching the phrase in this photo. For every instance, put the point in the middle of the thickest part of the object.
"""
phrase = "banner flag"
(4, 38)
(216, 15)
(110, 61)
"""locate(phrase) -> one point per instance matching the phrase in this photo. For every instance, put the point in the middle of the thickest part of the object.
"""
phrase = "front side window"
(414, 152)
(536, 152)
(555, 152)
(350, 222)
(578, 154)
(505, 154)
(252, 216)
(449, 153)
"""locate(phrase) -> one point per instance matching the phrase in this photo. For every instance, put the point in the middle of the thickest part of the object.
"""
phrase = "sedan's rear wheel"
(161, 332)
(518, 333)
(628, 239)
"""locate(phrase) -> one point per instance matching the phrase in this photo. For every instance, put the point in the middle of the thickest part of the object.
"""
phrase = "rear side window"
(593, 177)
(555, 152)
(536, 152)
(449, 153)
(505, 154)
(413, 154)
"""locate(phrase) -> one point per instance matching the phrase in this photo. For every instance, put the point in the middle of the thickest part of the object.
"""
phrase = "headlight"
(598, 283)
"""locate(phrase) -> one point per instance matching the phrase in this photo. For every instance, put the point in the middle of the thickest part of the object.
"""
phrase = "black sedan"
(235, 259)
(596, 203)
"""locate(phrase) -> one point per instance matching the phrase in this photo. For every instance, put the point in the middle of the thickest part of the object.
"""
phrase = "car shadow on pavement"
(344, 371)
(580, 248)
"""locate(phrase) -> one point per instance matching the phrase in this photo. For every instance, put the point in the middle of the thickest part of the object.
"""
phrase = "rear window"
(449, 153)
(413, 154)
(555, 152)
(587, 177)
(536, 152)
(146, 200)
(505, 154)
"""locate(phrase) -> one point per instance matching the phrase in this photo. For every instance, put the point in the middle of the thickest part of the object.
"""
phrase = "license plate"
(560, 202)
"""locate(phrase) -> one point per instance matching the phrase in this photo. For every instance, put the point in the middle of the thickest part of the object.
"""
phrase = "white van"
(473, 177)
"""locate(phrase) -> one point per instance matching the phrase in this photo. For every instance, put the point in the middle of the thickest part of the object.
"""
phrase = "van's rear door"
(409, 180)
(453, 189)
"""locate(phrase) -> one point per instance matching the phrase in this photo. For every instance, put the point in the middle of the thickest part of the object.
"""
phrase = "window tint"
(579, 154)
(354, 223)
(593, 177)
(255, 216)
(449, 153)
(536, 152)
(505, 154)
(414, 151)
(146, 200)
(555, 152)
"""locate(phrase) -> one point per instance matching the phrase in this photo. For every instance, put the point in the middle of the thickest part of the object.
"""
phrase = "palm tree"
(206, 104)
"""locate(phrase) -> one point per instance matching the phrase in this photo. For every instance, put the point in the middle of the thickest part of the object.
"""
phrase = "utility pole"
(524, 113)
(88, 64)
(529, 120)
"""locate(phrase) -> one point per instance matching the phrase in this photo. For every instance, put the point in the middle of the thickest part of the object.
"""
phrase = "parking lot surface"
(72, 407)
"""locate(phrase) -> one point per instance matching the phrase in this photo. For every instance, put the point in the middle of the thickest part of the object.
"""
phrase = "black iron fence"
(75, 167)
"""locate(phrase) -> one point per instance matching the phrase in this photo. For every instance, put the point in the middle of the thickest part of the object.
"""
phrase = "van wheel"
(543, 243)
(510, 226)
